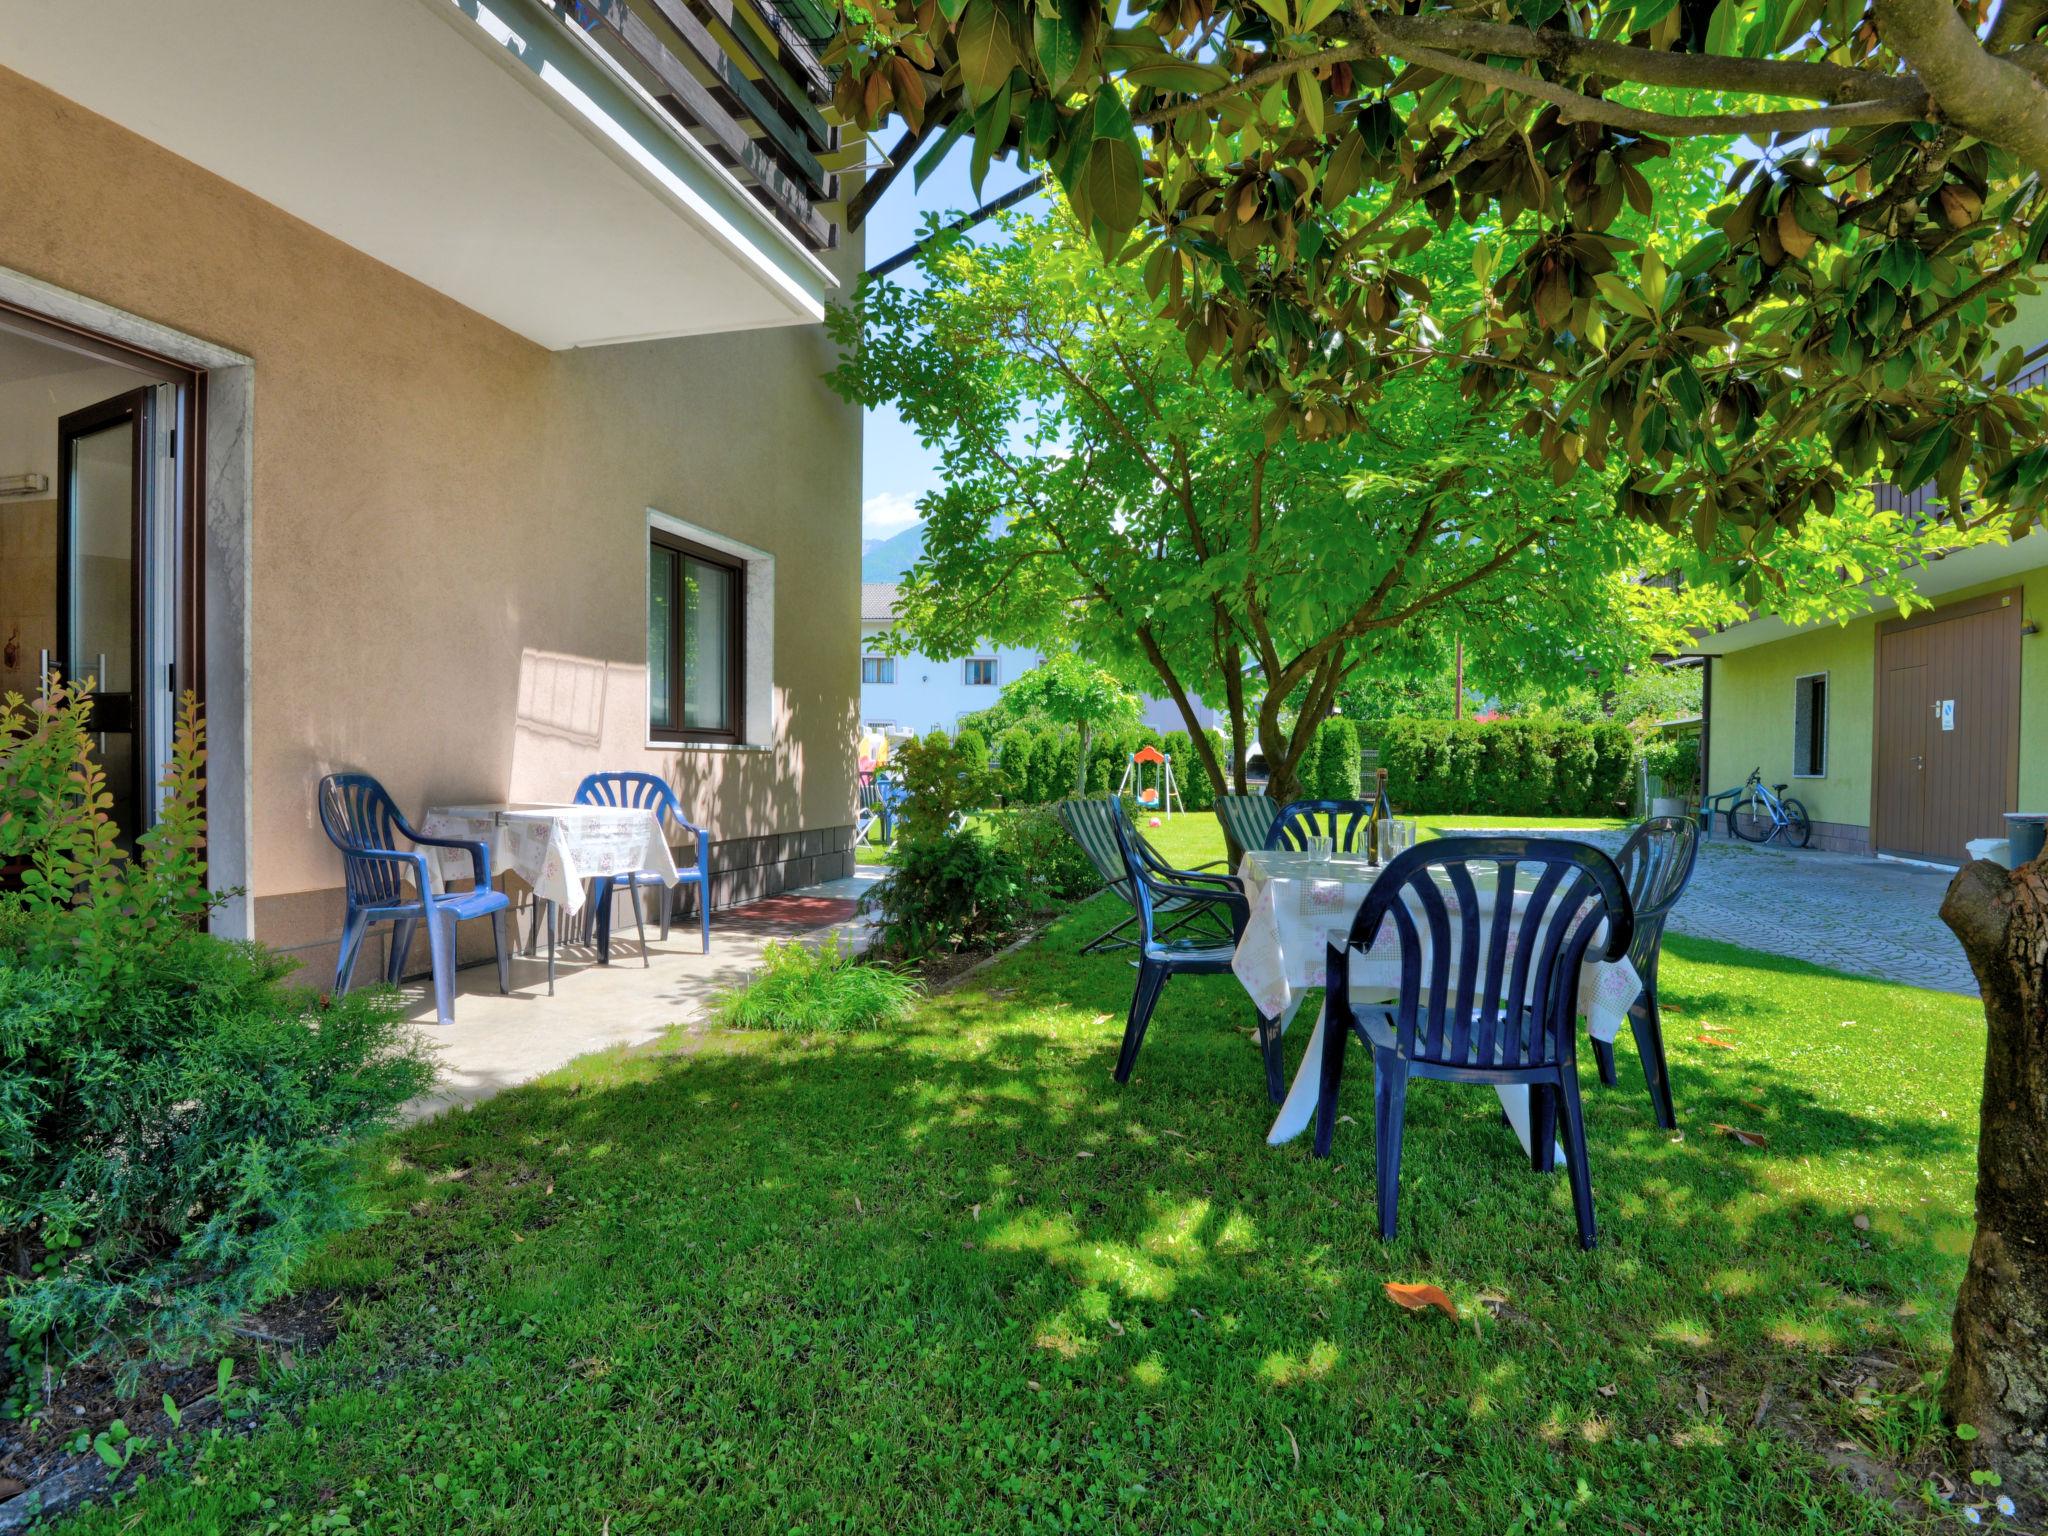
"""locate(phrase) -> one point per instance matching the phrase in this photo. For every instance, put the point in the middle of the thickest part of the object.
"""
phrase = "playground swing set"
(1162, 794)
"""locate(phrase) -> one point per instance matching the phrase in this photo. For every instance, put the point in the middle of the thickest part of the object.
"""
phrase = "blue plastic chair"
(1657, 864)
(1348, 824)
(647, 791)
(1509, 1012)
(1157, 890)
(361, 820)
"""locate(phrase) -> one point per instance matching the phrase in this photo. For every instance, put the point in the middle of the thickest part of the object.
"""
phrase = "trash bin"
(2027, 830)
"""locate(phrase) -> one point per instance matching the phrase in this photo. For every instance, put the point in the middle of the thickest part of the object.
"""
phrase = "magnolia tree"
(1277, 168)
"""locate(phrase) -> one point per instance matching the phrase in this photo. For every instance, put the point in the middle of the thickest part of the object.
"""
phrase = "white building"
(914, 692)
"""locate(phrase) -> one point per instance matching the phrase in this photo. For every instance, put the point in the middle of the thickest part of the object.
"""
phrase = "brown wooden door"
(1947, 736)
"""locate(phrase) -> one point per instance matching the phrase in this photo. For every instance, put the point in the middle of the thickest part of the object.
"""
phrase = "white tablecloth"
(553, 848)
(1300, 906)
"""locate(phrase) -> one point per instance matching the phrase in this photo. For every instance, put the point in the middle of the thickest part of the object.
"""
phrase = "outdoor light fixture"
(24, 485)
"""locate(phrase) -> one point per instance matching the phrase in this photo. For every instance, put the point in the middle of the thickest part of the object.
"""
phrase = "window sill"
(655, 745)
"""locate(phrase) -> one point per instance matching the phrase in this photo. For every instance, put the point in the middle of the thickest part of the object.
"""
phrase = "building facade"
(435, 389)
(918, 693)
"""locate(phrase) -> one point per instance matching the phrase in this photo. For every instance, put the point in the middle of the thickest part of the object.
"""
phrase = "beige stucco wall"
(1753, 702)
(444, 511)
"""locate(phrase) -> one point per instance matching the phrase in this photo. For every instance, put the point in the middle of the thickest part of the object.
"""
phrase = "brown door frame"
(2012, 598)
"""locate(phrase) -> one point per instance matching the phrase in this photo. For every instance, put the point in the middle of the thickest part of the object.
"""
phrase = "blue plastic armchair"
(647, 791)
(1348, 824)
(362, 821)
(1657, 863)
(1158, 889)
(1506, 1013)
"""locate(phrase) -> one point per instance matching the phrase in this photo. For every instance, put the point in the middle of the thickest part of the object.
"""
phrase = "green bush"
(1062, 761)
(947, 889)
(1614, 770)
(821, 989)
(973, 745)
(1675, 760)
(1013, 757)
(1507, 768)
(1335, 762)
(174, 1118)
(1046, 852)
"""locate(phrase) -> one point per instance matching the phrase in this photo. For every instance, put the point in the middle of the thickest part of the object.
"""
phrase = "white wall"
(929, 694)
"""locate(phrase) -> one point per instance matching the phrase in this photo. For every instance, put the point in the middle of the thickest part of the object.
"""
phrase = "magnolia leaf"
(1115, 183)
(1747, 1138)
(1419, 1298)
(1057, 41)
(985, 51)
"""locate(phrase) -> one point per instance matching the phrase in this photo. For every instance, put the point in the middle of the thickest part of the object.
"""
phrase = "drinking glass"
(1320, 848)
(1399, 834)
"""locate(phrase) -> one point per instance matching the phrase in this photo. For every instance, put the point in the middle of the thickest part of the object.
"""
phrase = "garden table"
(555, 849)
(1300, 905)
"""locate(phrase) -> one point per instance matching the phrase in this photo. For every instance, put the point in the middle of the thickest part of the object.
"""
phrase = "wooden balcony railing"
(739, 79)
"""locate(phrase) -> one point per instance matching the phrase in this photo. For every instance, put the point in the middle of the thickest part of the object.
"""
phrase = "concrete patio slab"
(1872, 917)
(498, 1041)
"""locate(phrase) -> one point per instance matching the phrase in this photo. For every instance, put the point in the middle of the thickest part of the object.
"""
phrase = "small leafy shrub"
(822, 989)
(174, 1118)
(947, 889)
(1675, 762)
(1046, 851)
(1507, 767)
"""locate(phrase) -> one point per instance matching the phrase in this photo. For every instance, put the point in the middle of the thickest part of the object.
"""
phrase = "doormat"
(794, 911)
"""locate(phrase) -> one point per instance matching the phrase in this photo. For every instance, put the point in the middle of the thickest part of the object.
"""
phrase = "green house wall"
(1750, 719)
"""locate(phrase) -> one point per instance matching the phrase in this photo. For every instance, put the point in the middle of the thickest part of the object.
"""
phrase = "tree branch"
(1993, 98)
(1574, 106)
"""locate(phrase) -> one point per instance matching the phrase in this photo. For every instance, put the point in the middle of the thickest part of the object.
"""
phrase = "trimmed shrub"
(174, 1118)
(1507, 768)
(1614, 770)
(973, 746)
(1336, 761)
(1012, 763)
(822, 989)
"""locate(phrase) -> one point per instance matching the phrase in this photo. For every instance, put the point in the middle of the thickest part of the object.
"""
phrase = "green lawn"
(952, 1278)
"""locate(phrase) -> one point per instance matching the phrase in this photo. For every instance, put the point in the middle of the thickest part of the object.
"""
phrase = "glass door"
(104, 485)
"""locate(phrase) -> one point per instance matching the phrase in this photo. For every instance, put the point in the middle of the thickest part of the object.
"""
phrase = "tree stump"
(1998, 1378)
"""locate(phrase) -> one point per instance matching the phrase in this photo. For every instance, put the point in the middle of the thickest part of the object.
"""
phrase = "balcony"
(743, 83)
(583, 172)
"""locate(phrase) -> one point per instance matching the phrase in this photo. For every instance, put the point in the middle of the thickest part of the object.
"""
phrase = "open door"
(109, 545)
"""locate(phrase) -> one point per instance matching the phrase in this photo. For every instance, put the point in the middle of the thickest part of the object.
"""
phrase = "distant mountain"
(889, 559)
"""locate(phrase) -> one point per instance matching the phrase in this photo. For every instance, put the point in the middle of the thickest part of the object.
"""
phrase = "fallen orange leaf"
(1416, 1298)
(1719, 1045)
(1747, 1138)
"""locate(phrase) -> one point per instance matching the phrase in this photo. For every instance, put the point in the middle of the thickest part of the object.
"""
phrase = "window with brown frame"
(696, 602)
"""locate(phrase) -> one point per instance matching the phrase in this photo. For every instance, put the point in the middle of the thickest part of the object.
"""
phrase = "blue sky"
(897, 468)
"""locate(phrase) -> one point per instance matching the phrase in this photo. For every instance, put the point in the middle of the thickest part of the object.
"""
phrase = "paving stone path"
(1870, 916)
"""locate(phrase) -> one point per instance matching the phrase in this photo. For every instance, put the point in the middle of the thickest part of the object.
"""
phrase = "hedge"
(1507, 767)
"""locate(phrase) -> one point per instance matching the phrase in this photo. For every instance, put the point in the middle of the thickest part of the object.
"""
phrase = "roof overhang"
(480, 146)
(1937, 579)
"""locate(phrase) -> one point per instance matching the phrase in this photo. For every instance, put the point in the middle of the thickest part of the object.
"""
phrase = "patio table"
(1300, 905)
(555, 849)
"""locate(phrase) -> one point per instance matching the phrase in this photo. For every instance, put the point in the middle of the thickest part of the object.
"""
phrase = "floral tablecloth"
(553, 848)
(1300, 905)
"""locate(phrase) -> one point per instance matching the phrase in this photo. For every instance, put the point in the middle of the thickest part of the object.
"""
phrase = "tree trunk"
(1998, 1376)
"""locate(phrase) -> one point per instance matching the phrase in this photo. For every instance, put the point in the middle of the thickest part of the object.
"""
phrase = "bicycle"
(1761, 811)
